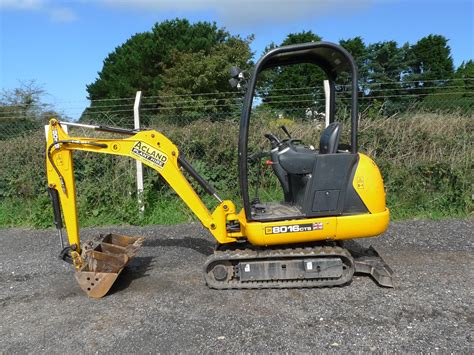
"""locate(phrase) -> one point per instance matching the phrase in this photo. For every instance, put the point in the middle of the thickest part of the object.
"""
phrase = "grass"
(171, 210)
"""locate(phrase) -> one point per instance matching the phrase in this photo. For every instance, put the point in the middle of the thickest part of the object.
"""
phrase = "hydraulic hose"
(70, 141)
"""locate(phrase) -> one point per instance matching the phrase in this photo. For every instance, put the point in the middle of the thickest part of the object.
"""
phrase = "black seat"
(330, 139)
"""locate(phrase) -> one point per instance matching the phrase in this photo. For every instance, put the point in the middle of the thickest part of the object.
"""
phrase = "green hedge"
(426, 161)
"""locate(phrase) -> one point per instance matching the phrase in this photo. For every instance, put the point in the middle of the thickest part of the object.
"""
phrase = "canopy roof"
(332, 58)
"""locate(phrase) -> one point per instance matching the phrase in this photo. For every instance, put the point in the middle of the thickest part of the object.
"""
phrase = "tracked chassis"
(318, 265)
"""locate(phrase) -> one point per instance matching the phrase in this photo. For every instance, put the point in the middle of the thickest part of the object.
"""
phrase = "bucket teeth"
(104, 258)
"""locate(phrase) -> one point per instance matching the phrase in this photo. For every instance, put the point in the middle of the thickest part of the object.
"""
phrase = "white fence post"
(136, 119)
(327, 95)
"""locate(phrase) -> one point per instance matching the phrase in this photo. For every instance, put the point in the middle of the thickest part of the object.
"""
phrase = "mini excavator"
(331, 195)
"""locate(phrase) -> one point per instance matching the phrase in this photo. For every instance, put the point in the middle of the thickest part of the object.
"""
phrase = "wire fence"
(303, 103)
(205, 128)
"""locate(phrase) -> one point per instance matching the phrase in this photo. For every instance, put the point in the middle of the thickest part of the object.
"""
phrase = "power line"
(156, 96)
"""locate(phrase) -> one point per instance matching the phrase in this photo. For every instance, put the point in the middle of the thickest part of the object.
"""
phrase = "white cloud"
(243, 13)
(62, 15)
(55, 13)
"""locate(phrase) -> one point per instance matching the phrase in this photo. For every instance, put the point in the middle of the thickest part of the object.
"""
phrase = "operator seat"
(330, 139)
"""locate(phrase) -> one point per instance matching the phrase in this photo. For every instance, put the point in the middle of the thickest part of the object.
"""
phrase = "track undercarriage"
(243, 266)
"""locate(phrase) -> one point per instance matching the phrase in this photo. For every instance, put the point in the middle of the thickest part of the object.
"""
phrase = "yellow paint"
(63, 160)
(147, 154)
(154, 142)
(362, 225)
(255, 231)
(334, 228)
(368, 184)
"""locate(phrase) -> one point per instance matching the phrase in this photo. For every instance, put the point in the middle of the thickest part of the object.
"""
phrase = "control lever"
(275, 142)
(286, 131)
(257, 156)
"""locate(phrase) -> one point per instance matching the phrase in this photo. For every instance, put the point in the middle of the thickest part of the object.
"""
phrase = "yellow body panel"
(362, 225)
(63, 161)
(328, 228)
(368, 184)
(273, 233)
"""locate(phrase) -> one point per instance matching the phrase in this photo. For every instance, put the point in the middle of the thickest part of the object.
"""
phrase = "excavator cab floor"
(103, 259)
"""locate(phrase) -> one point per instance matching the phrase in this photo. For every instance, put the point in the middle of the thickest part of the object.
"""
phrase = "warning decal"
(154, 156)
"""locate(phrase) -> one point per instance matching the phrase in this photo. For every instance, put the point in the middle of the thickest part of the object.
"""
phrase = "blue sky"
(61, 44)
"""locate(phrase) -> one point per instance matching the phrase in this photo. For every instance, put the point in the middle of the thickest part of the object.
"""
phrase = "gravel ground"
(161, 304)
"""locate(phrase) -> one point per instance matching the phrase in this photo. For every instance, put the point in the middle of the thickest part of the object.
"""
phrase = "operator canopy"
(331, 58)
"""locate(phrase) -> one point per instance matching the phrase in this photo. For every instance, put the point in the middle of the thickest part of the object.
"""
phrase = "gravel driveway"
(161, 304)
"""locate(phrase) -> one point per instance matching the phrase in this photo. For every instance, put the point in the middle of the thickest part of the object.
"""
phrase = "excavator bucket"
(103, 259)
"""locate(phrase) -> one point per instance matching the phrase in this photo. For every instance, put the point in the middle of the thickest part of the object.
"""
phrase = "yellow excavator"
(331, 195)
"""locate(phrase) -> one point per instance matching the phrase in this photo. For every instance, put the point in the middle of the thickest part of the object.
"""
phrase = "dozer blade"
(104, 258)
(368, 261)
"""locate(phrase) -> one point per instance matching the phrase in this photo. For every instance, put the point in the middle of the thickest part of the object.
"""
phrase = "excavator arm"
(150, 147)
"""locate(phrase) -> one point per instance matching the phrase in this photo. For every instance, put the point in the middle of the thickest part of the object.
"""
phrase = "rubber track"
(234, 256)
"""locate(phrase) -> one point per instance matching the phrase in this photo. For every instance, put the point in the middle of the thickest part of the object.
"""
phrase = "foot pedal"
(104, 258)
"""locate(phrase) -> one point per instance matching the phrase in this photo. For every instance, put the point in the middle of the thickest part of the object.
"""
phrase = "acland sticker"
(154, 156)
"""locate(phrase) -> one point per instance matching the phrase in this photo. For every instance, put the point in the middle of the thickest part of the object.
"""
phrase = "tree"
(293, 89)
(430, 60)
(198, 82)
(430, 67)
(387, 65)
(465, 77)
(465, 83)
(22, 109)
(386, 62)
(357, 48)
(149, 61)
(457, 93)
